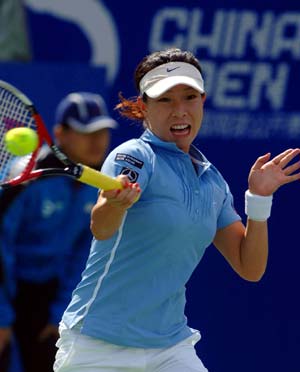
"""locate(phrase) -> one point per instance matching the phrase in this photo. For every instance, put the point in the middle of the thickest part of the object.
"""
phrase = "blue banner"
(249, 52)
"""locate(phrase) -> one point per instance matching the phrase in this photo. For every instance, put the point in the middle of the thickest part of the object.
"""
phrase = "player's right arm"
(108, 212)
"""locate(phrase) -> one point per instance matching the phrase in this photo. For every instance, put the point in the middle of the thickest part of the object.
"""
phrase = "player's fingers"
(124, 180)
(136, 191)
(278, 158)
(292, 168)
(284, 160)
(111, 194)
(261, 161)
(124, 197)
(130, 191)
(292, 178)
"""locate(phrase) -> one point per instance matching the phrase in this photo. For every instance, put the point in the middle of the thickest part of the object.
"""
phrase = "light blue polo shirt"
(132, 291)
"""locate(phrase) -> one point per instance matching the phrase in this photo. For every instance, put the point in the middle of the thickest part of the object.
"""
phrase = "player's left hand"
(267, 175)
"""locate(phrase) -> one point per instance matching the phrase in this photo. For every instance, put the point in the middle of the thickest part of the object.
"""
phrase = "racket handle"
(94, 178)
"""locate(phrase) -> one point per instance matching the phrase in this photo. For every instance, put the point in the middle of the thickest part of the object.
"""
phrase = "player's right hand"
(124, 197)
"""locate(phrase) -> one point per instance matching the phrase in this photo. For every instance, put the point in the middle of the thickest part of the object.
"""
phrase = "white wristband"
(257, 207)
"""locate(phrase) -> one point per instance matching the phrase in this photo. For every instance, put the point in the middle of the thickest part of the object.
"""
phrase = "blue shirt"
(132, 292)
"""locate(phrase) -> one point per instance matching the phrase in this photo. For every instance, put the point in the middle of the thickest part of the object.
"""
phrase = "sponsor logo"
(130, 173)
(130, 159)
(172, 69)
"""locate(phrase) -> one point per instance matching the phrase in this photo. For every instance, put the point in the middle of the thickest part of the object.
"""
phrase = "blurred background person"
(45, 235)
(14, 38)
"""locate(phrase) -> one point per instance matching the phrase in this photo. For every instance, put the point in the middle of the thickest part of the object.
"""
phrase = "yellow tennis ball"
(21, 141)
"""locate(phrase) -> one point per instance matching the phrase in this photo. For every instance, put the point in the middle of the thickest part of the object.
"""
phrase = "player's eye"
(163, 99)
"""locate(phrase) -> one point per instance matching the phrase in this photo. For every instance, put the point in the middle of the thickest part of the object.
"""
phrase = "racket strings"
(13, 113)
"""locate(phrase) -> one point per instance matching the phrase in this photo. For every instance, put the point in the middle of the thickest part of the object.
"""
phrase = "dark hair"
(129, 107)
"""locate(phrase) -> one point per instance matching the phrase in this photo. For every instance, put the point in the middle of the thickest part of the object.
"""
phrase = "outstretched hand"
(267, 175)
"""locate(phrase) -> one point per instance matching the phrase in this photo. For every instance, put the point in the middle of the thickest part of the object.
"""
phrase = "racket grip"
(94, 178)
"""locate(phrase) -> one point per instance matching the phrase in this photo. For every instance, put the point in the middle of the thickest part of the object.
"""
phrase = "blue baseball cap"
(84, 112)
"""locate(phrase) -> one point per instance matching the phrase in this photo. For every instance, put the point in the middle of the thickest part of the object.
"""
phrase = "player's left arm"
(246, 248)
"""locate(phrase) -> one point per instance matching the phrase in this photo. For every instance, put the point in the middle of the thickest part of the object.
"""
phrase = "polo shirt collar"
(194, 153)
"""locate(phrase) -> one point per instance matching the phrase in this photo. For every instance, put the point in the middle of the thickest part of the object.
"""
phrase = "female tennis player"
(127, 313)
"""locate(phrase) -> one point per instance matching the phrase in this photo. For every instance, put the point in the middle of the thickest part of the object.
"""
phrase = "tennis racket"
(16, 110)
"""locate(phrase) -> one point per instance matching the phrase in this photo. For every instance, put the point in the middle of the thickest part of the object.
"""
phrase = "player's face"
(86, 148)
(176, 115)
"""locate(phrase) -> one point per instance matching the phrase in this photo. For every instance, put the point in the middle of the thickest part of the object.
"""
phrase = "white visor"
(166, 76)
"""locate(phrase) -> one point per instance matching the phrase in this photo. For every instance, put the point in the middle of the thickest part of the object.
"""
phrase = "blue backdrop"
(250, 54)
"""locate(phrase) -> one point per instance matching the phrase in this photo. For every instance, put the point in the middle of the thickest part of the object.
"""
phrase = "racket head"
(16, 110)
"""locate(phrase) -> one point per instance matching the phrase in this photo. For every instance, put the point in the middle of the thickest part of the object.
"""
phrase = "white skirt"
(81, 353)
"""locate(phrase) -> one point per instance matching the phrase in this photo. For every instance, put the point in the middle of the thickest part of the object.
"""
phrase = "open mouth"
(181, 129)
